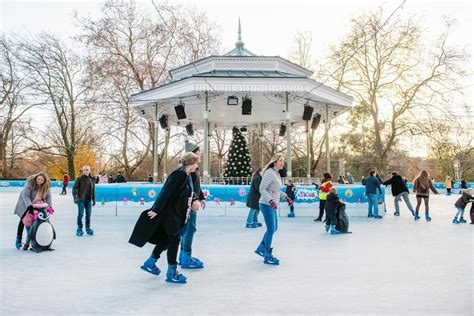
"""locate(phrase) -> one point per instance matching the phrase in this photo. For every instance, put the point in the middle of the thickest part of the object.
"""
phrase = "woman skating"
(422, 186)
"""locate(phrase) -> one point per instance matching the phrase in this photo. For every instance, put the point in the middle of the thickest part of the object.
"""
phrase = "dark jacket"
(372, 184)
(332, 202)
(81, 185)
(423, 190)
(171, 207)
(120, 179)
(197, 185)
(254, 194)
(290, 191)
(463, 200)
(398, 185)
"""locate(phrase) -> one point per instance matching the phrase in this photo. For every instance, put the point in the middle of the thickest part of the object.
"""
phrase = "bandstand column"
(326, 136)
(165, 154)
(205, 153)
(308, 145)
(260, 136)
(155, 148)
(288, 137)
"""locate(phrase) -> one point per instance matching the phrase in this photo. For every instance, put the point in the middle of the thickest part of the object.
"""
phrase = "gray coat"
(254, 194)
(270, 187)
(27, 196)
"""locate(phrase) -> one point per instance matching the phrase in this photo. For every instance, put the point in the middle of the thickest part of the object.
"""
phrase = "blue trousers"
(373, 204)
(187, 240)
(271, 221)
(81, 205)
(253, 216)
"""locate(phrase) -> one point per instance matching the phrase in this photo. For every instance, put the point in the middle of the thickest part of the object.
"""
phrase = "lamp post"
(457, 170)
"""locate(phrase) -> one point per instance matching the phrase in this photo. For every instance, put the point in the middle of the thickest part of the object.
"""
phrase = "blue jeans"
(373, 204)
(399, 197)
(270, 217)
(187, 241)
(81, 205)
(253, 216)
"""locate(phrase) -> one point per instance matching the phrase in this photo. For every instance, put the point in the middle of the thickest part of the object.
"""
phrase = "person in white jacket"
(270, 194)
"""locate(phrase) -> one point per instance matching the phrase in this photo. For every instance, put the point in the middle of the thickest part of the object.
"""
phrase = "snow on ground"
(389, 266)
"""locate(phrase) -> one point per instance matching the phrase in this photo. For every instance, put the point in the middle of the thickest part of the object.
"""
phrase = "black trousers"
(21, 226)
(331, 219)
(168, 239)
(64, 190)
(322, 206)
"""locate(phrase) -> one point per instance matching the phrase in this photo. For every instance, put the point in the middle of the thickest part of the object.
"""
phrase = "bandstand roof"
(263, 79)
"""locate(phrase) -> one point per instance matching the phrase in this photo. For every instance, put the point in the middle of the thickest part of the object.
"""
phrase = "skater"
(37, 186)
(150, 178)
(372, 185)
(461, 204)
(332, 204)
(120, 178)
(448, 185)
(103, 179)
(324, 187)
(186, 261)
(168, 218)
(399, 191)
(83, 193)
(422, 186)
(252, 200)
(290, 192)
(350, 178)
(65, 183)
(270, 194)
(463, 184)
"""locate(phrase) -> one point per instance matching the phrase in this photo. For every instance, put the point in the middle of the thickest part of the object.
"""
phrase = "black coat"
(254, 194)
(171, 207)
(81, 186)
(332, 202)
(120, 179)
(290, 191)
(197, 185)
(398, 185)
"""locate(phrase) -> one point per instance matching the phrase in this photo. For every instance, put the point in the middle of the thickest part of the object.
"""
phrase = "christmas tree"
(238, 162)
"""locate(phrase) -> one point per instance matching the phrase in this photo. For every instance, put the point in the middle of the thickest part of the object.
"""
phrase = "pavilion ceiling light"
(282, 130)
(316, 120)
(164, 121)
(232, 100)
(243, 129)
(246, 106)
(189, 129)
(308, 112)
(179, 109)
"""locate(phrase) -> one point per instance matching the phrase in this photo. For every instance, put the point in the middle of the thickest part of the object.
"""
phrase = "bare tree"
(395, 82)
(56, 76)
(301, 54)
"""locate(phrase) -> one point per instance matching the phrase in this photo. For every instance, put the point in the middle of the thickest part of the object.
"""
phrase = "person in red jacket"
(326, 184)
(65, 183)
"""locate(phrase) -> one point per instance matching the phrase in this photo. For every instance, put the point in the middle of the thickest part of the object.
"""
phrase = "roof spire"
(240, 31)
(239, 42)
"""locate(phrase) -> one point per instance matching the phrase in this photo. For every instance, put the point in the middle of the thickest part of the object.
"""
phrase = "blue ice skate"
(427, 217)
(397, 213)
(173, 276)
(252, 225)
(79, 232)
(417, 216)
(260, 250)
(334, 231)
(188, 262)
(18, 242)
(291, 214)
(455, 221)
(89, 231)
(257, 224)
(150, 266)
(269, 258)
(326, 227)
(462, 220)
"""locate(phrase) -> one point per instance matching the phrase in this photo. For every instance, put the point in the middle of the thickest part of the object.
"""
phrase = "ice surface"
(389, 266)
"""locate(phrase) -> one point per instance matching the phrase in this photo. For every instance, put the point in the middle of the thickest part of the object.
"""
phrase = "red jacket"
(66, 180)
(326, 185)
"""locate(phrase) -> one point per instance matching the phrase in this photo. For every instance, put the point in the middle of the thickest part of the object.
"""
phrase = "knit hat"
(190, 147)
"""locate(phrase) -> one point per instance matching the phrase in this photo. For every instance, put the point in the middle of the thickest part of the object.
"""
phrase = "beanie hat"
(190, 147)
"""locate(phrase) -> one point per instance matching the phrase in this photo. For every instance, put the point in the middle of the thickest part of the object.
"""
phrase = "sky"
(268, 27)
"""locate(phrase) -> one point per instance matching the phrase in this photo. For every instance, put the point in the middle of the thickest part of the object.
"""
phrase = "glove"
(203, 204)
(76, 200)
(289, 201)
(93, 203)
(35, 215)
(50, 210)
(273, 204)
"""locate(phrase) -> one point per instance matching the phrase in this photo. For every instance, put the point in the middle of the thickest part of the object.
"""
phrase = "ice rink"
(389, 266)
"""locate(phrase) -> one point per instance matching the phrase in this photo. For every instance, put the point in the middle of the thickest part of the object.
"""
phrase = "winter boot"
(370, 215)
(188, 262)
(291, 214)
(455, 220)
(26, 246)
(397, 213)
(269, 258)
(150, 266)
(89, 231)
(327, 228)
(79, 231)
(257, 224)
(250, 225)
(173, 276)
(334, 231)
(417, 216)
(462, 220)
(18, 242)
(260, 250)
(427, 217)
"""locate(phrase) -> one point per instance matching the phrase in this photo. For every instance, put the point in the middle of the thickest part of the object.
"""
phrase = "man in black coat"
(165, 222)
(252, 200)
(120, 178)
(83, 193)
(399, 191)
(291, 193)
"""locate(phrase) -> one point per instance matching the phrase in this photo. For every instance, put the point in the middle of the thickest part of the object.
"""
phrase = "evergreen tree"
(238, 162)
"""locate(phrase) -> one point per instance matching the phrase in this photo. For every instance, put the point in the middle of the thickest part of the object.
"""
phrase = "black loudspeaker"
(282, 130)
(316, 120)
(247, 107)
(180, 113)
(307, 113)
(189, 129)
(164, 122)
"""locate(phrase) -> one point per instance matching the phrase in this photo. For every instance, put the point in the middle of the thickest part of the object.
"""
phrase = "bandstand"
(243, 90)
